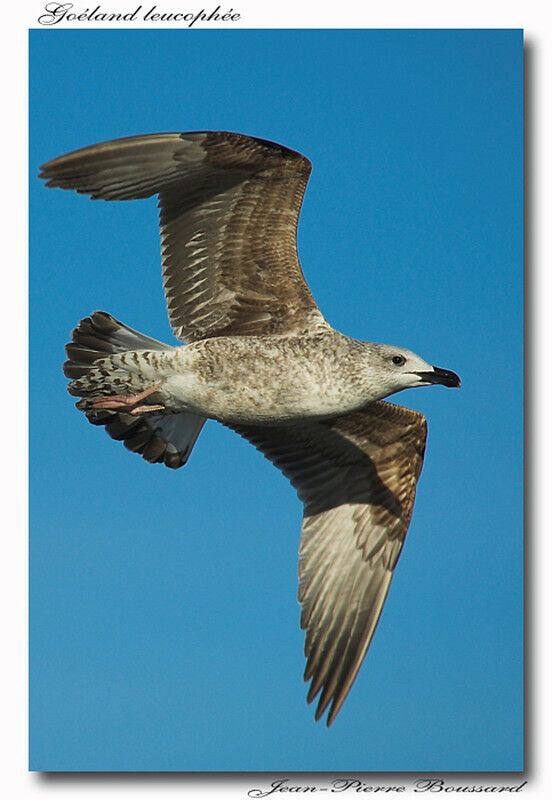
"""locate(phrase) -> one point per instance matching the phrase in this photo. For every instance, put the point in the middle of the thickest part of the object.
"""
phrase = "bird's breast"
(265, 380)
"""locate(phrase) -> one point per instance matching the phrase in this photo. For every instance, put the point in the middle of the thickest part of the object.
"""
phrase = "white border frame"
(16, 782)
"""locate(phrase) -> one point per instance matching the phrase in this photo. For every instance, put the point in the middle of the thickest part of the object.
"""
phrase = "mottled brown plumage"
(159, 438)
(356, 476)
(229, 209)
(262, 360)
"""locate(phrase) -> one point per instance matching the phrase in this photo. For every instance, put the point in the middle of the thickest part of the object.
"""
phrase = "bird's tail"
(96, 370)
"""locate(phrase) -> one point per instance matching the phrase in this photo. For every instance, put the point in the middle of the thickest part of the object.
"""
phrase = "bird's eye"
(399, 360)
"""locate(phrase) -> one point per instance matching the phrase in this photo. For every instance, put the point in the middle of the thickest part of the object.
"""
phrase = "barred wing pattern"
(356, 476)
(229, 210)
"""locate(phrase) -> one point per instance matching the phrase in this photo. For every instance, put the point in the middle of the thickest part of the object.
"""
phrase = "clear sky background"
(164, 622)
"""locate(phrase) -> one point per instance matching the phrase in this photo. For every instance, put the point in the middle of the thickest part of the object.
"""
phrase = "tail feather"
(100, 335)
(159, 437)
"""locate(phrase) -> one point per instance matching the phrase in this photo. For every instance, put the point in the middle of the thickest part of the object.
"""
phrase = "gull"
(259, 357)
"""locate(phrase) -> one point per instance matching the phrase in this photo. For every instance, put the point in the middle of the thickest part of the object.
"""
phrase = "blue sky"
(164, 622)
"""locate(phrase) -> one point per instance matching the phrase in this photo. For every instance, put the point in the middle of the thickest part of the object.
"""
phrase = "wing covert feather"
(229, 209)
(356, 475)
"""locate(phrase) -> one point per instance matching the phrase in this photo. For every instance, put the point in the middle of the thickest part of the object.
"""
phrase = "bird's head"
(396, 368)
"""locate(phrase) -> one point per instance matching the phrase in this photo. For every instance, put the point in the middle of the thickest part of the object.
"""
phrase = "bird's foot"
(129, 403)
(143, 409)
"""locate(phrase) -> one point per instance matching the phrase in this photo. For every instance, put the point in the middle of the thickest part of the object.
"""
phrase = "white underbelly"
(258, 401)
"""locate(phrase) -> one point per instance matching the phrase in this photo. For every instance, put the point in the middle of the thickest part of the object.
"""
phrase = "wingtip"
(312, 693)
(42, 170)
(334, 711)
(45, 171)
(43, 176)
(323, 703)
(321, 710)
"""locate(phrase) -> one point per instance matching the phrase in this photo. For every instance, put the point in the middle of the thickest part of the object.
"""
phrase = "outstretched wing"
(356, 476)
(229, 209)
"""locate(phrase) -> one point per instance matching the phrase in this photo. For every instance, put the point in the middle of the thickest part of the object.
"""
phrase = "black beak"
(442, 376)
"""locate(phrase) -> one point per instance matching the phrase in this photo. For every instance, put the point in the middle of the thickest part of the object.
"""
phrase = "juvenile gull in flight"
(261, 359)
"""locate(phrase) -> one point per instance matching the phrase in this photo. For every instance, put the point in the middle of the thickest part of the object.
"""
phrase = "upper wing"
(356, 475)
(229, 209)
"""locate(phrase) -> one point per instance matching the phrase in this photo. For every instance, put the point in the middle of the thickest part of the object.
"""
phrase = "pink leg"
(143, 409)
(129, 403)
